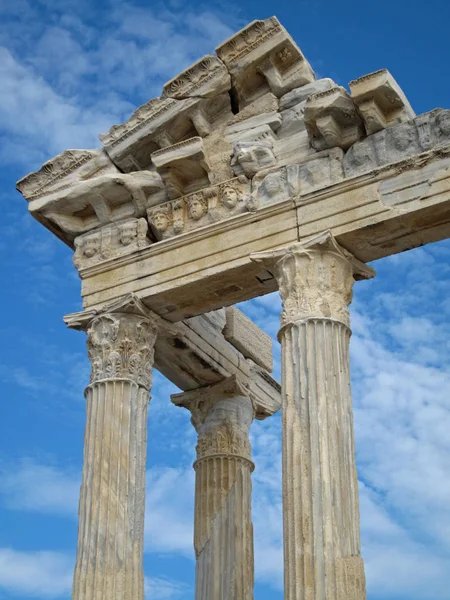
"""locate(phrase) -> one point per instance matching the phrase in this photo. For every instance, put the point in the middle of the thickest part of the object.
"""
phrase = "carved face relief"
(401, 138)
(254, 157)
(127, 234)
(443, 123)
(91, 246)
(229, 197)
(160, 220)
(196, 207)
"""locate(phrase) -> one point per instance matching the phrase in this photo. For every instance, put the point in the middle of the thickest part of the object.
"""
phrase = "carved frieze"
(396, 143)
(64, 171)
(110, 241)
(121, 346)
(207, 77)
(201, 208)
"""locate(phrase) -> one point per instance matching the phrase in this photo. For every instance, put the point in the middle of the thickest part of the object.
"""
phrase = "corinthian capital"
(222, 415)
(315, 278)
(120, 340)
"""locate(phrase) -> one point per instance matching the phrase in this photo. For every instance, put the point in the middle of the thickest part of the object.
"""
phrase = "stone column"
(223, 530)
(112, 498)
(320, 486)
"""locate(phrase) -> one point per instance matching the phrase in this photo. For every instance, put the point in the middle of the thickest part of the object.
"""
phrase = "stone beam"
(384, 210)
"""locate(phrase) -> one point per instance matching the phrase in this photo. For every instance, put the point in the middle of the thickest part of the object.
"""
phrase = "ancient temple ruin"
(246, 176)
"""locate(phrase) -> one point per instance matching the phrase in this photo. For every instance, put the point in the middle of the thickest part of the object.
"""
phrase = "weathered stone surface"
(248, 338)
(320, 485)
(272, 120)
(380, 101)
(316, 172)
(110, 242)
(332, 120)
(301, 94)
(202, 208)
(430, 130)
(264, 104)
(78, 191)
(251, 157)
(205, 78)
(183, 167)
(162, 122)
(263, 57)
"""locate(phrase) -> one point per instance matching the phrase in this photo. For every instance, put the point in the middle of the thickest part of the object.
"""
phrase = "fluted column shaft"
(109, 562)
(320, 486)
(223, 530)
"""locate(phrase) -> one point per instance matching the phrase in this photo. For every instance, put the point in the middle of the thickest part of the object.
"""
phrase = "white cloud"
(35, 574)
(158, 588)
(49, 100)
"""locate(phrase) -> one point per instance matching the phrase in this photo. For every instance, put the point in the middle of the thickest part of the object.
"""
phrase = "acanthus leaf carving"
(121, 346)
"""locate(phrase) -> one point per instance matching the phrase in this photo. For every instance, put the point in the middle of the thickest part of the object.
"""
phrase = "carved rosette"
(121, 346)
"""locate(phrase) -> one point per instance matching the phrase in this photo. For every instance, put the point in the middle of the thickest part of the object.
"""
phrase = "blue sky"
(69, 70)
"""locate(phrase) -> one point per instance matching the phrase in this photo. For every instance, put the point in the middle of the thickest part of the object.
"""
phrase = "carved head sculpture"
(443, 122)
(127, 233)
(401, 137)
(91, 245)
(159, 217)
(253, 156)
(196, 206)
(274, 184)
(229, 197)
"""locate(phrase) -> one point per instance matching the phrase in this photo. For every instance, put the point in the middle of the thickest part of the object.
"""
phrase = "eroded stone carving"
(380, 101)
(250, 157)
(163, 122)
(207, 206)
(121, 347)
(205, 78)
(111, 241)
(183, 167)
(331, 119)
(430, 130)
(315, 279)
(263, 56)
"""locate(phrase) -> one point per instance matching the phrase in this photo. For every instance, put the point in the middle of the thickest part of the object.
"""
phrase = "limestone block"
(81, 190)
(271, 119)
(162, 122)
(263, 57)
(292, 121)
(332, 120)
(251, 157)
(183, 167)
(205, 78)
(427, 131)
(248, 338)
(111, 241)
(301, 94)
(380, 101)
(201, 208)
